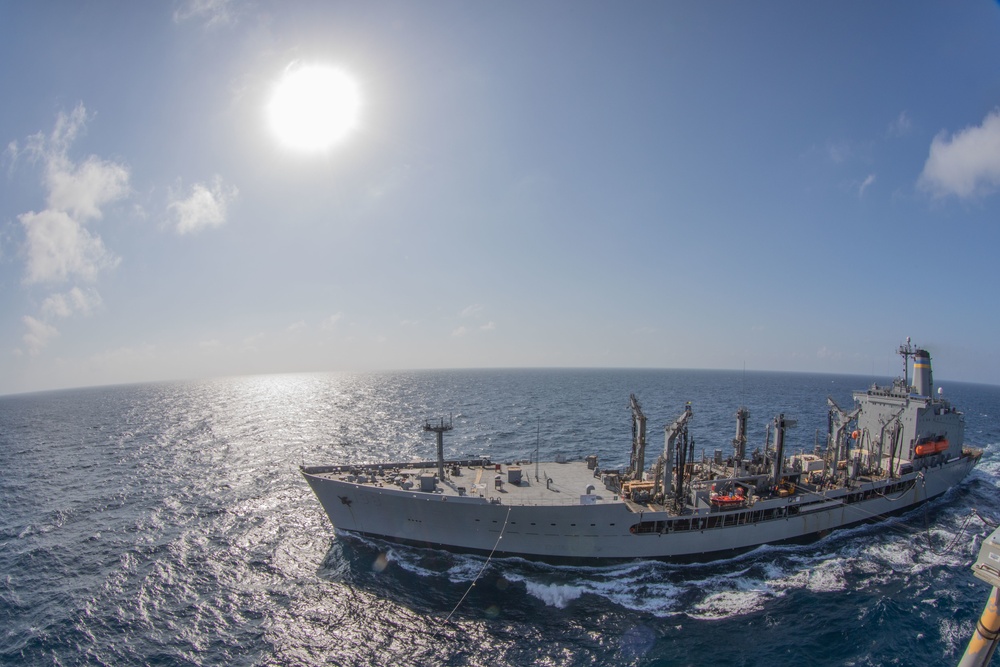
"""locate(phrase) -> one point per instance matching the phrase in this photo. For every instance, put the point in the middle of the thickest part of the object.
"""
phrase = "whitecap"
(727, 604)
(954, 635)
(554, 595)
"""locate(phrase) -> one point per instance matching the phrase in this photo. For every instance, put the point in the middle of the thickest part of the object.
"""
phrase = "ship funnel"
(923, 378)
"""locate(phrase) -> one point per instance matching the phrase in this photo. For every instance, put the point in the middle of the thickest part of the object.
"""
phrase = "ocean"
(168, 524)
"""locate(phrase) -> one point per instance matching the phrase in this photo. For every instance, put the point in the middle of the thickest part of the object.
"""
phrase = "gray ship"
(897, 447)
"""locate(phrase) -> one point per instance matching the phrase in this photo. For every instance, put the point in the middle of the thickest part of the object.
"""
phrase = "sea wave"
(168, 524)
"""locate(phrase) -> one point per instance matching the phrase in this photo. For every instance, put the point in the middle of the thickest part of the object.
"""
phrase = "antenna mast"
(439, 430)
(538, 435)
(906, 351)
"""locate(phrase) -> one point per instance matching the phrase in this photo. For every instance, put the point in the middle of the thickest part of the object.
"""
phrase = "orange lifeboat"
(728, 500)
(928, 448)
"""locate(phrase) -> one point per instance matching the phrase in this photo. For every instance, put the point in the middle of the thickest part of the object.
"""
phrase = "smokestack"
(923, 378)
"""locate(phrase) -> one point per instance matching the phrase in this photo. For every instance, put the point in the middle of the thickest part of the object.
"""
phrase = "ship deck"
(558, 483)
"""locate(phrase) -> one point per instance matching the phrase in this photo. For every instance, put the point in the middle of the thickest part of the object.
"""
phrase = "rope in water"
(483, 569)
(954, 541)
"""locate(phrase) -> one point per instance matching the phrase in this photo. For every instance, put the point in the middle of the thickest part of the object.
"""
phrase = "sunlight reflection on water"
(169, 523)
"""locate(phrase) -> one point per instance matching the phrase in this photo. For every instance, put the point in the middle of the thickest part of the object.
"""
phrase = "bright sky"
(768, 185)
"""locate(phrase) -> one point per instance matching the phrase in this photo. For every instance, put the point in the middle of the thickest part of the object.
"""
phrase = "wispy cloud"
(864, 185)
(474, 309)
(38, 334)
(212, 12)
(251, 342)
(901, 126)
(472, 312)
(966, 164)
(330, 323)
(73, 301)
(839, 151)
(206, 206)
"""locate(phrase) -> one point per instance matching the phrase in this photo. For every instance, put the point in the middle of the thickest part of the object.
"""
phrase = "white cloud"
(296, 327)
(38, 335)
(57, 248)
(63, 133)
(80, 190)
(473, 312)
(250, 342)
(212, 12)
(11, 155)
(474, 309)
(864, 186)
(205, 207)
(901, 126)
(967, 163)
(83, 189)
(330, 323)
(839, 152)
(76, 300)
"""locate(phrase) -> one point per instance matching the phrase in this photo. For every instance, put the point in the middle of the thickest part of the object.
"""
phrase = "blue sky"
(775, 186)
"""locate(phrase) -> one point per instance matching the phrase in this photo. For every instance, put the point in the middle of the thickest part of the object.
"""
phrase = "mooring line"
(483, 569)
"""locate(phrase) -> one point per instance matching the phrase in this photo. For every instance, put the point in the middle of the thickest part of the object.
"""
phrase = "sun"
(313, 107)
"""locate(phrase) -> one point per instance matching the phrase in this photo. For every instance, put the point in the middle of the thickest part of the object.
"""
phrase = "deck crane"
(638, 460)
(838, 441)
(664, 464)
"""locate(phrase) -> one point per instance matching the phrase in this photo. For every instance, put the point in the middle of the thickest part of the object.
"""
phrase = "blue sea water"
(167, 524)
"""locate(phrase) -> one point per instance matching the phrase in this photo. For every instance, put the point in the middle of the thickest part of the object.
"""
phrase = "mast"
(538, 436)
(439, 430)
(906, 351)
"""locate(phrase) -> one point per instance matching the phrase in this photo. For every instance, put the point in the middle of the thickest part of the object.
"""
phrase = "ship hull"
(615, 530)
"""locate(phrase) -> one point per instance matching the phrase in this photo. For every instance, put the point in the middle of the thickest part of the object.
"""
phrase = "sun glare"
(313, 107)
